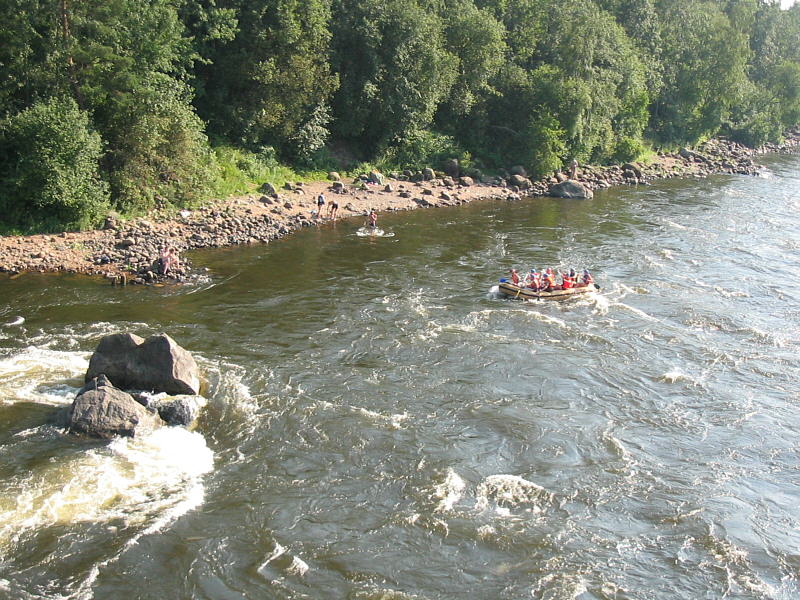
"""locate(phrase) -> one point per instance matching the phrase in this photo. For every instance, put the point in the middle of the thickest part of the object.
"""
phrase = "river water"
(380, 425)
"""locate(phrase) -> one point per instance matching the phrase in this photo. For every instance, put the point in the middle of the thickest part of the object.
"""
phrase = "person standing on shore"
(573, 169)
(333, 209)
(320, 204)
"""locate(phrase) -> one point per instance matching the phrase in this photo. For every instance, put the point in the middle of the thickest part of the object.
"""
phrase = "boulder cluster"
(124, 373)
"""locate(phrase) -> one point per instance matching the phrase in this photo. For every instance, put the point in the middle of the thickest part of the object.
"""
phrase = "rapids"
(380, 424)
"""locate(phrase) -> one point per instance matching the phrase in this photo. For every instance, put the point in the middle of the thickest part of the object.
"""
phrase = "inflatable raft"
(510, 290)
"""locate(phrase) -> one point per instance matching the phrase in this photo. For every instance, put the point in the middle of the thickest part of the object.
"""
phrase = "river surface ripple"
(380, 425)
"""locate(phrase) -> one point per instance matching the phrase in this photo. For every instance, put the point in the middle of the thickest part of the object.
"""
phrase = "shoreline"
(125, 252)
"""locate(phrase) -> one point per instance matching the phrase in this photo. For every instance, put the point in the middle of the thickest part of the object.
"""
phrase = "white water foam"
(73, 336)
(449, 492)
(547, 319)
(225, 384)
(508, 491)
(394, 421)
(675, 375)
(42, 375)
(280, 559)
(143, 481)
(559, 586)
(373, 232)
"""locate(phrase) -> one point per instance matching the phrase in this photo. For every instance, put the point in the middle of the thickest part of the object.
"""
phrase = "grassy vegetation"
(240, 172)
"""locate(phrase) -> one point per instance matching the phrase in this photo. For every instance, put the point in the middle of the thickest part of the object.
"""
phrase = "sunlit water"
(380, 425)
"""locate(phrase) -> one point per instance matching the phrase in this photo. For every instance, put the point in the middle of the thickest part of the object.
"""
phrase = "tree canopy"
(126, 104)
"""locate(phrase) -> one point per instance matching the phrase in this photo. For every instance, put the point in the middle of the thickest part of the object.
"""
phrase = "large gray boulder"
(521, 182)
(691, 155)
(268, 188)
(570, 189)
(101, 410)
(466, 181)
(157, 364)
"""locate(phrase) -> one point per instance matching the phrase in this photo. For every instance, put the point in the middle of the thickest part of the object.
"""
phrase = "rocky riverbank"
(127, 251)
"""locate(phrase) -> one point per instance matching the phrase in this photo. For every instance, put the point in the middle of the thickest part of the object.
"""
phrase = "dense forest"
(132, 104)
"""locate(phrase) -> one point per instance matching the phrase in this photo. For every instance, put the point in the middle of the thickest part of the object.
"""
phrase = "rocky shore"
(127, 251)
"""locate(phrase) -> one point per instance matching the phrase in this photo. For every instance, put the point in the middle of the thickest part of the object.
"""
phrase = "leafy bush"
(310, 137)
(627, 149)
(49, 168)
(544, 144)
(422, 149)
(157, 149)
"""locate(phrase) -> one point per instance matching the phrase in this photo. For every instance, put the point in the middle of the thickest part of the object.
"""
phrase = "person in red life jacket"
(514, 276)
(549, 280)
(567, 282)
(535, 280)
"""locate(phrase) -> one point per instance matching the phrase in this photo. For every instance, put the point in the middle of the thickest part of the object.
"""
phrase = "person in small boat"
(549, 281)
(567, 282)
(534, 280)
(586, 278)
(514, 276)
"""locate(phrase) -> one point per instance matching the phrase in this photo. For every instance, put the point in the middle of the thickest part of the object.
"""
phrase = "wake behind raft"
(521, 292)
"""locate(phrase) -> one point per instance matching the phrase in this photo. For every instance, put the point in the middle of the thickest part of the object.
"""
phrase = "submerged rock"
(157, 364)
(180, 410)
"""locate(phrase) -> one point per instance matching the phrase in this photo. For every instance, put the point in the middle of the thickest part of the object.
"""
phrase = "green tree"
(476, 39)
(704, 64)
(31, 63)
(525, 25)
(273, 79)
(124, 62)
(603, 75)
(157, 151)
(49, 168)
(393, 67)
(130, 63)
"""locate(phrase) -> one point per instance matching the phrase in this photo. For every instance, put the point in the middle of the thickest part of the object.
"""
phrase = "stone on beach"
(570, 189)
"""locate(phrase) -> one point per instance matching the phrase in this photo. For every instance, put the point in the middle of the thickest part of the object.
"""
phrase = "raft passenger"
(549, 280)
(536, 280)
